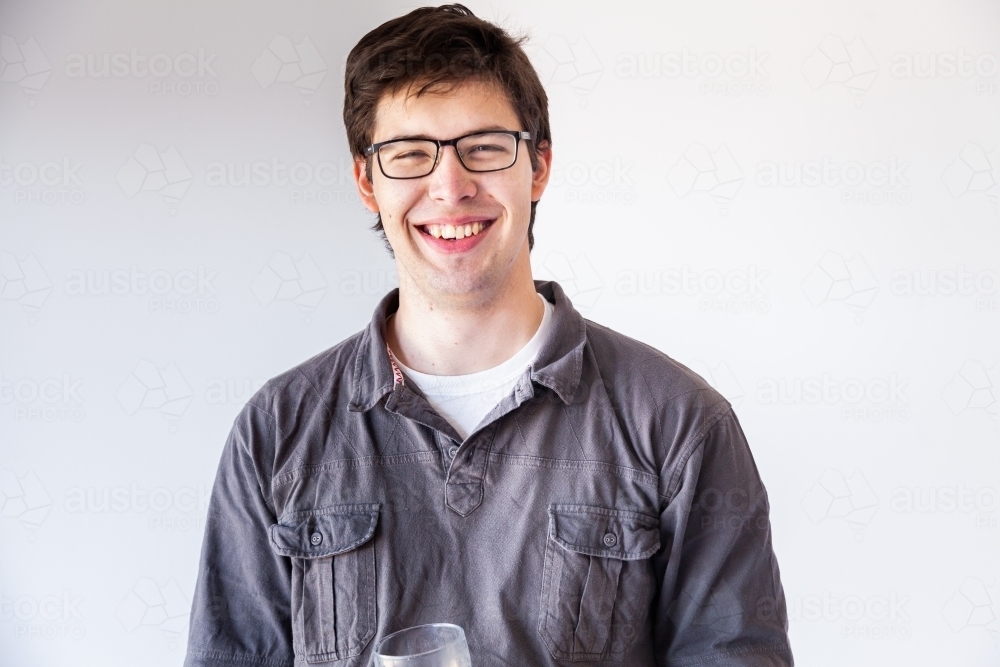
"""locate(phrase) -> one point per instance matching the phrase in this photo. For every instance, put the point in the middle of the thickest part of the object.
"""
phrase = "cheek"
(517, 194)
(395, 204)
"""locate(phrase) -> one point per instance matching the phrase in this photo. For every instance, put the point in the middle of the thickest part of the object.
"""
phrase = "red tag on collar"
(397, 375)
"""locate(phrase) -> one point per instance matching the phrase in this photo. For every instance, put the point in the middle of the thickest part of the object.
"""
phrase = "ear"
(540, 176)
(366, 189)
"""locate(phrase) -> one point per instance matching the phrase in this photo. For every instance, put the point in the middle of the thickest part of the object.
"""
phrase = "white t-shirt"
(465, 399)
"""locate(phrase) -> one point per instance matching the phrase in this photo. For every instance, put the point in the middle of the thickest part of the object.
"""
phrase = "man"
(480, 454)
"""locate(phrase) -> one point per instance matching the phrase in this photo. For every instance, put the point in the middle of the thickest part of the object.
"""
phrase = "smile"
(455, 232)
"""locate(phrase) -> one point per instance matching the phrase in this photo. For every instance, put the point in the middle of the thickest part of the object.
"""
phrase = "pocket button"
(316, 539)
(610, 539)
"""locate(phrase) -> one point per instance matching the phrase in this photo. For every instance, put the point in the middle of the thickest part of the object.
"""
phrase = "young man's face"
(498, 203)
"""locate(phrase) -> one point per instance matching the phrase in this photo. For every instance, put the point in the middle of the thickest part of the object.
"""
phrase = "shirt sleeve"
(240, 614)
(721, 601)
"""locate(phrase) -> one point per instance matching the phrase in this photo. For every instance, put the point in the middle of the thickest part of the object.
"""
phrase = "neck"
(467, 335)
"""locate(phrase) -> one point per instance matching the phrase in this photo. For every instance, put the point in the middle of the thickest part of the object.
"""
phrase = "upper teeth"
(455, 231)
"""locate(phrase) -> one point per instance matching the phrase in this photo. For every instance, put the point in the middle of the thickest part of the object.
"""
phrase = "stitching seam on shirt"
(358, 362)
(775, 649)
(247, 659)
(569, 464)
(322, 398)
(370, 510)
(272, 424)
(675, 397)
(696, 441)
(517, 425)
(578, 357)
(364, 462)
(319, 394)
(576, 434)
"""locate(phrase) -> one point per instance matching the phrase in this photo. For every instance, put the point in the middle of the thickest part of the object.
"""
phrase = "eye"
(410, 155)
(484, 148)
(408, 151)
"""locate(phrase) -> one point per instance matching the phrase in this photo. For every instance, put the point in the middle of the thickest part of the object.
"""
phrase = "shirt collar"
(558, 365)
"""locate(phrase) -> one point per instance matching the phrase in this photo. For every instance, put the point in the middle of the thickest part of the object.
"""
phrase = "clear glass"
(413, 158)
(434, 645)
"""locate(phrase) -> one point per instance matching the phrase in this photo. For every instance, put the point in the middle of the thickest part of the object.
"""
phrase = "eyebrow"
(489, 128)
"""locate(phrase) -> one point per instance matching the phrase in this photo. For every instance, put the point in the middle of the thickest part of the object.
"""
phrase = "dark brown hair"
(439, 48)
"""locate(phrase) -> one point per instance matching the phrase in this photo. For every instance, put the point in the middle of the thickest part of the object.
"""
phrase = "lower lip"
(456, 245)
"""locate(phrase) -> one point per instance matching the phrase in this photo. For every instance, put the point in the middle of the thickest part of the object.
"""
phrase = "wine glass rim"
(457, 637)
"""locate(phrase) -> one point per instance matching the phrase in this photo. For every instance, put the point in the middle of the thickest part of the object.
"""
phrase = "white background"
(798, 200)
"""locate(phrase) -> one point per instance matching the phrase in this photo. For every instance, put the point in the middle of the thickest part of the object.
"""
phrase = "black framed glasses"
(479, 152)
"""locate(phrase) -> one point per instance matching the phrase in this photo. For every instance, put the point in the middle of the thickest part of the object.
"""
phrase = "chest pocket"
(333, 578)
(597, 584)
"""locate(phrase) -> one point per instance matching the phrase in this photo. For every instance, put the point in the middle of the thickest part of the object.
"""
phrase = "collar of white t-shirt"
(464, 400)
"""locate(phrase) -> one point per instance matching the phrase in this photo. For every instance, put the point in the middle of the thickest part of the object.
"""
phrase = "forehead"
(444, 112)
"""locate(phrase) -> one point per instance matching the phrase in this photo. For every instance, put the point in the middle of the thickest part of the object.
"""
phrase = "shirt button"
(452, 451)
(610, 539)
(316, 539)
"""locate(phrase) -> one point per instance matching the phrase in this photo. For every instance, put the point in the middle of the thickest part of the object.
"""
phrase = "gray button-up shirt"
(608, 510)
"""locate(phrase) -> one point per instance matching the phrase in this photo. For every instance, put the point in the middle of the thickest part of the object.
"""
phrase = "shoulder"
(315, 389)
(660, 379)
(660, 400)
(321, 377)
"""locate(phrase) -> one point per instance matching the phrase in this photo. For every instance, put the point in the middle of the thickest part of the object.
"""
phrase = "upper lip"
(456, 220)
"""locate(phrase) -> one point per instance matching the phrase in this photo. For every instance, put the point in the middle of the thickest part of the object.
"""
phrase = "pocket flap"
(596, 531)
(324, 532)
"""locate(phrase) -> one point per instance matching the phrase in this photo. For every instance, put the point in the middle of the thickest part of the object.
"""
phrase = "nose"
(450, 182)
